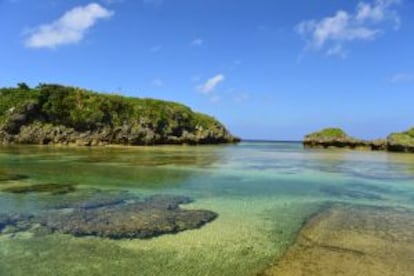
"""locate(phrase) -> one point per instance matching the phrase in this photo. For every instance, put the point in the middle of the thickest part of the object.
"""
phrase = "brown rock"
(352, 240)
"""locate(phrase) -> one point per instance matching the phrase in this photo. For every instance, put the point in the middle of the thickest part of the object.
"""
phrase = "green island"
(337, 138)
(64, 115)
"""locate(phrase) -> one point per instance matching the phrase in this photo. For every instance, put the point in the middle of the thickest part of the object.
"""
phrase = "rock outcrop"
(337, 138)
(49, 188)
(152, 217)
(401, 142)
(54, 114)
(352, 240)
(114, 215)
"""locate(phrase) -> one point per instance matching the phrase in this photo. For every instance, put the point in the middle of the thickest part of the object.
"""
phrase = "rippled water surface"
(262, 193)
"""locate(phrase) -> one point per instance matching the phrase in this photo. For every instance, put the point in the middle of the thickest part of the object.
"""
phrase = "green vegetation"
(337, 138)
(142, 121)
(328, 133)
(402, 141)
(82, 109)
(332, 137)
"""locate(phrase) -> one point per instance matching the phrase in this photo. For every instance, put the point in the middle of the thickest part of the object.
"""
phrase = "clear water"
(263, 192)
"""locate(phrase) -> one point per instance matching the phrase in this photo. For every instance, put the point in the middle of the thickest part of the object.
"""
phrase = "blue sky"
(266, 69)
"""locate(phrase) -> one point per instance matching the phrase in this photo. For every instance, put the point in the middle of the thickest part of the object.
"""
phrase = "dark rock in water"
(90, 199)
(53, 189)
(12, 177)
(352, 193)
(111, 214)
(149, 218)
(19, 221)
(351, 240)
(372, 188)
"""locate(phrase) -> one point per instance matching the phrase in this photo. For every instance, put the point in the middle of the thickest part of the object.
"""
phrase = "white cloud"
(403, 77)
(329, 34)
(68, 29)
(211, 84)
(378, 11)
(157, 82)
(198, 42)
(337, 50)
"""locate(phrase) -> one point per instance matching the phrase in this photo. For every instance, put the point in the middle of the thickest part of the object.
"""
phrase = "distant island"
(337, 138)
(63, 115)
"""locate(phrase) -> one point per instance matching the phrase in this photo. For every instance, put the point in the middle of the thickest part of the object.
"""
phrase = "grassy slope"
(403, 138)
(85, 110)
(327, 133)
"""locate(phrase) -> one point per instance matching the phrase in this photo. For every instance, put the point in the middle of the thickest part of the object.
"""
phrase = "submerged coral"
(143, 219)
(352, 240)
(18, 221)
(12, 177)
(349, 192)
(114, 215)
(41, 188)
(89, 199)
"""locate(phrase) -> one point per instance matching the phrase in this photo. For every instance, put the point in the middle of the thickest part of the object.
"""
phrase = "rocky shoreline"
(337, 138)
(60, 115)
(39, 133)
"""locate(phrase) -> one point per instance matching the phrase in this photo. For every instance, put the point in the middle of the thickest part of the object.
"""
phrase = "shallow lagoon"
(263, 192)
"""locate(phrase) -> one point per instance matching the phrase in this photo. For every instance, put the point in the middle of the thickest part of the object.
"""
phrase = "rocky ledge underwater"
(100, 213)
(344, 239)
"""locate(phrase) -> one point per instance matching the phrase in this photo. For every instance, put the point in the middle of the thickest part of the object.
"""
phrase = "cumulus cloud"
(197, 42)
(367, 22)
(211, 84)
(69, 28)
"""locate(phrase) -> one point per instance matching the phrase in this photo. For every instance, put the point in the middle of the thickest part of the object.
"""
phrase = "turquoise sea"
(262, 192)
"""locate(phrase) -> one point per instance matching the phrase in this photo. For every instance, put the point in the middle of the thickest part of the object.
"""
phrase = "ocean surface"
(263, 192)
